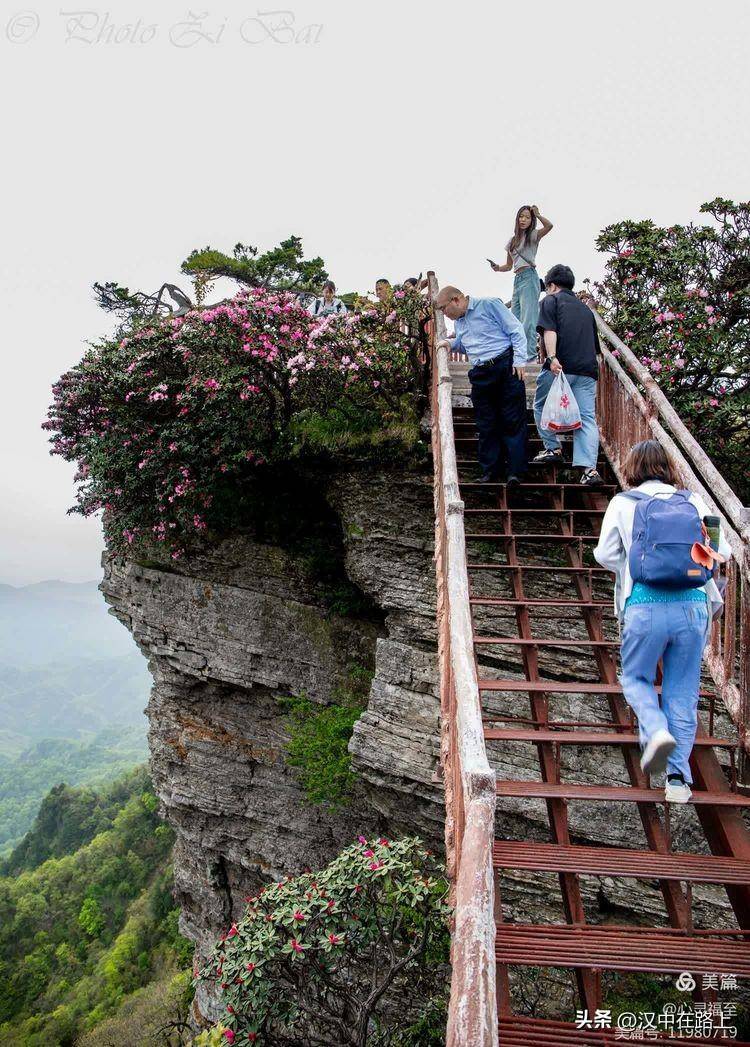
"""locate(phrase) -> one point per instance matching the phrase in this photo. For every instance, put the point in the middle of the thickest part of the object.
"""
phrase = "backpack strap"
(635, 496)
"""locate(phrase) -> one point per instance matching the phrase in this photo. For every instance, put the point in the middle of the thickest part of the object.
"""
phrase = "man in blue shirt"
(494, 340)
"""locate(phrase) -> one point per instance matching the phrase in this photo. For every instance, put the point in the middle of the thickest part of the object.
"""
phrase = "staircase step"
(615, 861)
(491, 601)
(621, 949)
(517, 641)
(496, 485)
(520, 1031)
(520, 511)
(616, 793)
(559, 687)
(549, 568)
(548, 538)
(512, 734)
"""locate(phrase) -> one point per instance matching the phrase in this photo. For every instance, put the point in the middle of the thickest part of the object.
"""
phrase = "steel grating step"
(621, 949)
(520, 1031)
(615, 861)
(511, 734)
(535, 567)
(616, 793)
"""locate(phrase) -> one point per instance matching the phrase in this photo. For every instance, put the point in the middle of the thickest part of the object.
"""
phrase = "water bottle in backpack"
(664, 533)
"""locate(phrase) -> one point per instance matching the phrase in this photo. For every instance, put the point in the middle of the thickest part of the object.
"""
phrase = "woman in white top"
(658, 623)
(327, 304)
(521, 253)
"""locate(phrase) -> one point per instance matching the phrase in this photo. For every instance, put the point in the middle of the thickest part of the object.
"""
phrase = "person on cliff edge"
(495, 343)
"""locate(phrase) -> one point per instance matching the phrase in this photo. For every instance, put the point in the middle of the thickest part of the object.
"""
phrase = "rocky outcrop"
(232, 630)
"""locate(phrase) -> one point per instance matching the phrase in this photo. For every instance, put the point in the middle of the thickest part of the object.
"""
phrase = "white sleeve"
(610, 552)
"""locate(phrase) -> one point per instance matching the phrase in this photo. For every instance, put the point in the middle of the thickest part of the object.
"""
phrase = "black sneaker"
(513, 483)
(485, 478)
(591, 478)
(548, 457)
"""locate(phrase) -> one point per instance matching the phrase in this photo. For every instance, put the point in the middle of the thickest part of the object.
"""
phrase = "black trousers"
(499, 399)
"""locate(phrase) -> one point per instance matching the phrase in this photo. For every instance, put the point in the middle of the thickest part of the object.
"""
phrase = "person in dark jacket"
(571, 344)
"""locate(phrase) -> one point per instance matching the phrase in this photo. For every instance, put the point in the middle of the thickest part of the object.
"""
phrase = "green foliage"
(319, 740)
(68, 818)
(280, 269)
(86, 928)
(314, 957)
(680, 298)
(174, 424)
(426, 1030)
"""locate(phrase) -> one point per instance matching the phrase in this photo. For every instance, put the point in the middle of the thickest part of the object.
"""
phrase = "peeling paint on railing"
(468, 778)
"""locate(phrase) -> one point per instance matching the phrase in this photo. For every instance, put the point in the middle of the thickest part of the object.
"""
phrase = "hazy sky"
(392, 137)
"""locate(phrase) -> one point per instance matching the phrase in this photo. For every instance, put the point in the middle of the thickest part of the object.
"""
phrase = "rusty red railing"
(468, 778)
(632, 407)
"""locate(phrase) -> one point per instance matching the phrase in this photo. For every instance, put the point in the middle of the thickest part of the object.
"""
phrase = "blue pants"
(525, 305)
(499, 400)
(585, 439)
(676, 633)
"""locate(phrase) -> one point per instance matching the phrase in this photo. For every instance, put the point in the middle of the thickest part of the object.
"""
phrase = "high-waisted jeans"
(676, 633)
(525, 306)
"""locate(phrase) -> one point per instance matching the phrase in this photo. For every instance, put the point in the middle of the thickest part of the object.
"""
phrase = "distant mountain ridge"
(73, 688)
(55, 621)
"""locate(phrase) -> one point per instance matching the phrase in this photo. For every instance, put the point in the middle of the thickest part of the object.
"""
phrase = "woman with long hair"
(521, 258)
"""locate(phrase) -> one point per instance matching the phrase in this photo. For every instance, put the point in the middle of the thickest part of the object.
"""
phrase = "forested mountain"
(88, 925)
(72, 692)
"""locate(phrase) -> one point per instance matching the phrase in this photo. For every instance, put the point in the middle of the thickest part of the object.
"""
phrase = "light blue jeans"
(585, 439)
(676, 633)
(525, 305)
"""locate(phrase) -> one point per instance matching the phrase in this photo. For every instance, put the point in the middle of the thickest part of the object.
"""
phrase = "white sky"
(404, 139)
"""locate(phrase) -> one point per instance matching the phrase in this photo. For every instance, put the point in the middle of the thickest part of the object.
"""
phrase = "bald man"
(495, 343)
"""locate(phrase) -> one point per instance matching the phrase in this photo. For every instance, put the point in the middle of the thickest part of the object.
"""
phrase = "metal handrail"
(632, 407)
(470, 796)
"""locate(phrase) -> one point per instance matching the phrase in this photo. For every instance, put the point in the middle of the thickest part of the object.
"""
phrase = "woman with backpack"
(654, 540)
(521, 258)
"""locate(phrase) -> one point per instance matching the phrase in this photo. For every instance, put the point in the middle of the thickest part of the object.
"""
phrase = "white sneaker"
(677, 789)
(655, 755)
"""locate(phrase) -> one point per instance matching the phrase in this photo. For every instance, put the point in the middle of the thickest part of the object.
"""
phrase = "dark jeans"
(499, 399)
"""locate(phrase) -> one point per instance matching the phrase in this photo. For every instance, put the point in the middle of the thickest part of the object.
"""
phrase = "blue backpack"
(664, 531)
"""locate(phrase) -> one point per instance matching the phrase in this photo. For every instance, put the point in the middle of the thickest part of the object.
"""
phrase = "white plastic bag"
(560, 413)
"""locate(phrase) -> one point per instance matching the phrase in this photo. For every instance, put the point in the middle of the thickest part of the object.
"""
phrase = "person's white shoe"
(655, 755)
(677, 789)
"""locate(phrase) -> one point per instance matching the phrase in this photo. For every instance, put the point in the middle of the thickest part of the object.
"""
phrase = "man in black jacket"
(571, 344)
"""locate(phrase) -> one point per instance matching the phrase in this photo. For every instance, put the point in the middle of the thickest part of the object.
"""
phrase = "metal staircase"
(527, 599)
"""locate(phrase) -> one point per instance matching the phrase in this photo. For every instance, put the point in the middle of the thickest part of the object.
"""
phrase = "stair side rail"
(468, 779)
(631, 407)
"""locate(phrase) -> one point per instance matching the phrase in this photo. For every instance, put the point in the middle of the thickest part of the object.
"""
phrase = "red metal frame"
(626, 414)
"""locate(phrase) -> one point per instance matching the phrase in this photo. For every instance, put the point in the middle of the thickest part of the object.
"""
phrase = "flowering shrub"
(680, 298)
(168, 424)
(319, 952)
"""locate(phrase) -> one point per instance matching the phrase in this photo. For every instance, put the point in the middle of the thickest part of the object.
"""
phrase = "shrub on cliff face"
(315, 958)
(170, 425)
(680, 298)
